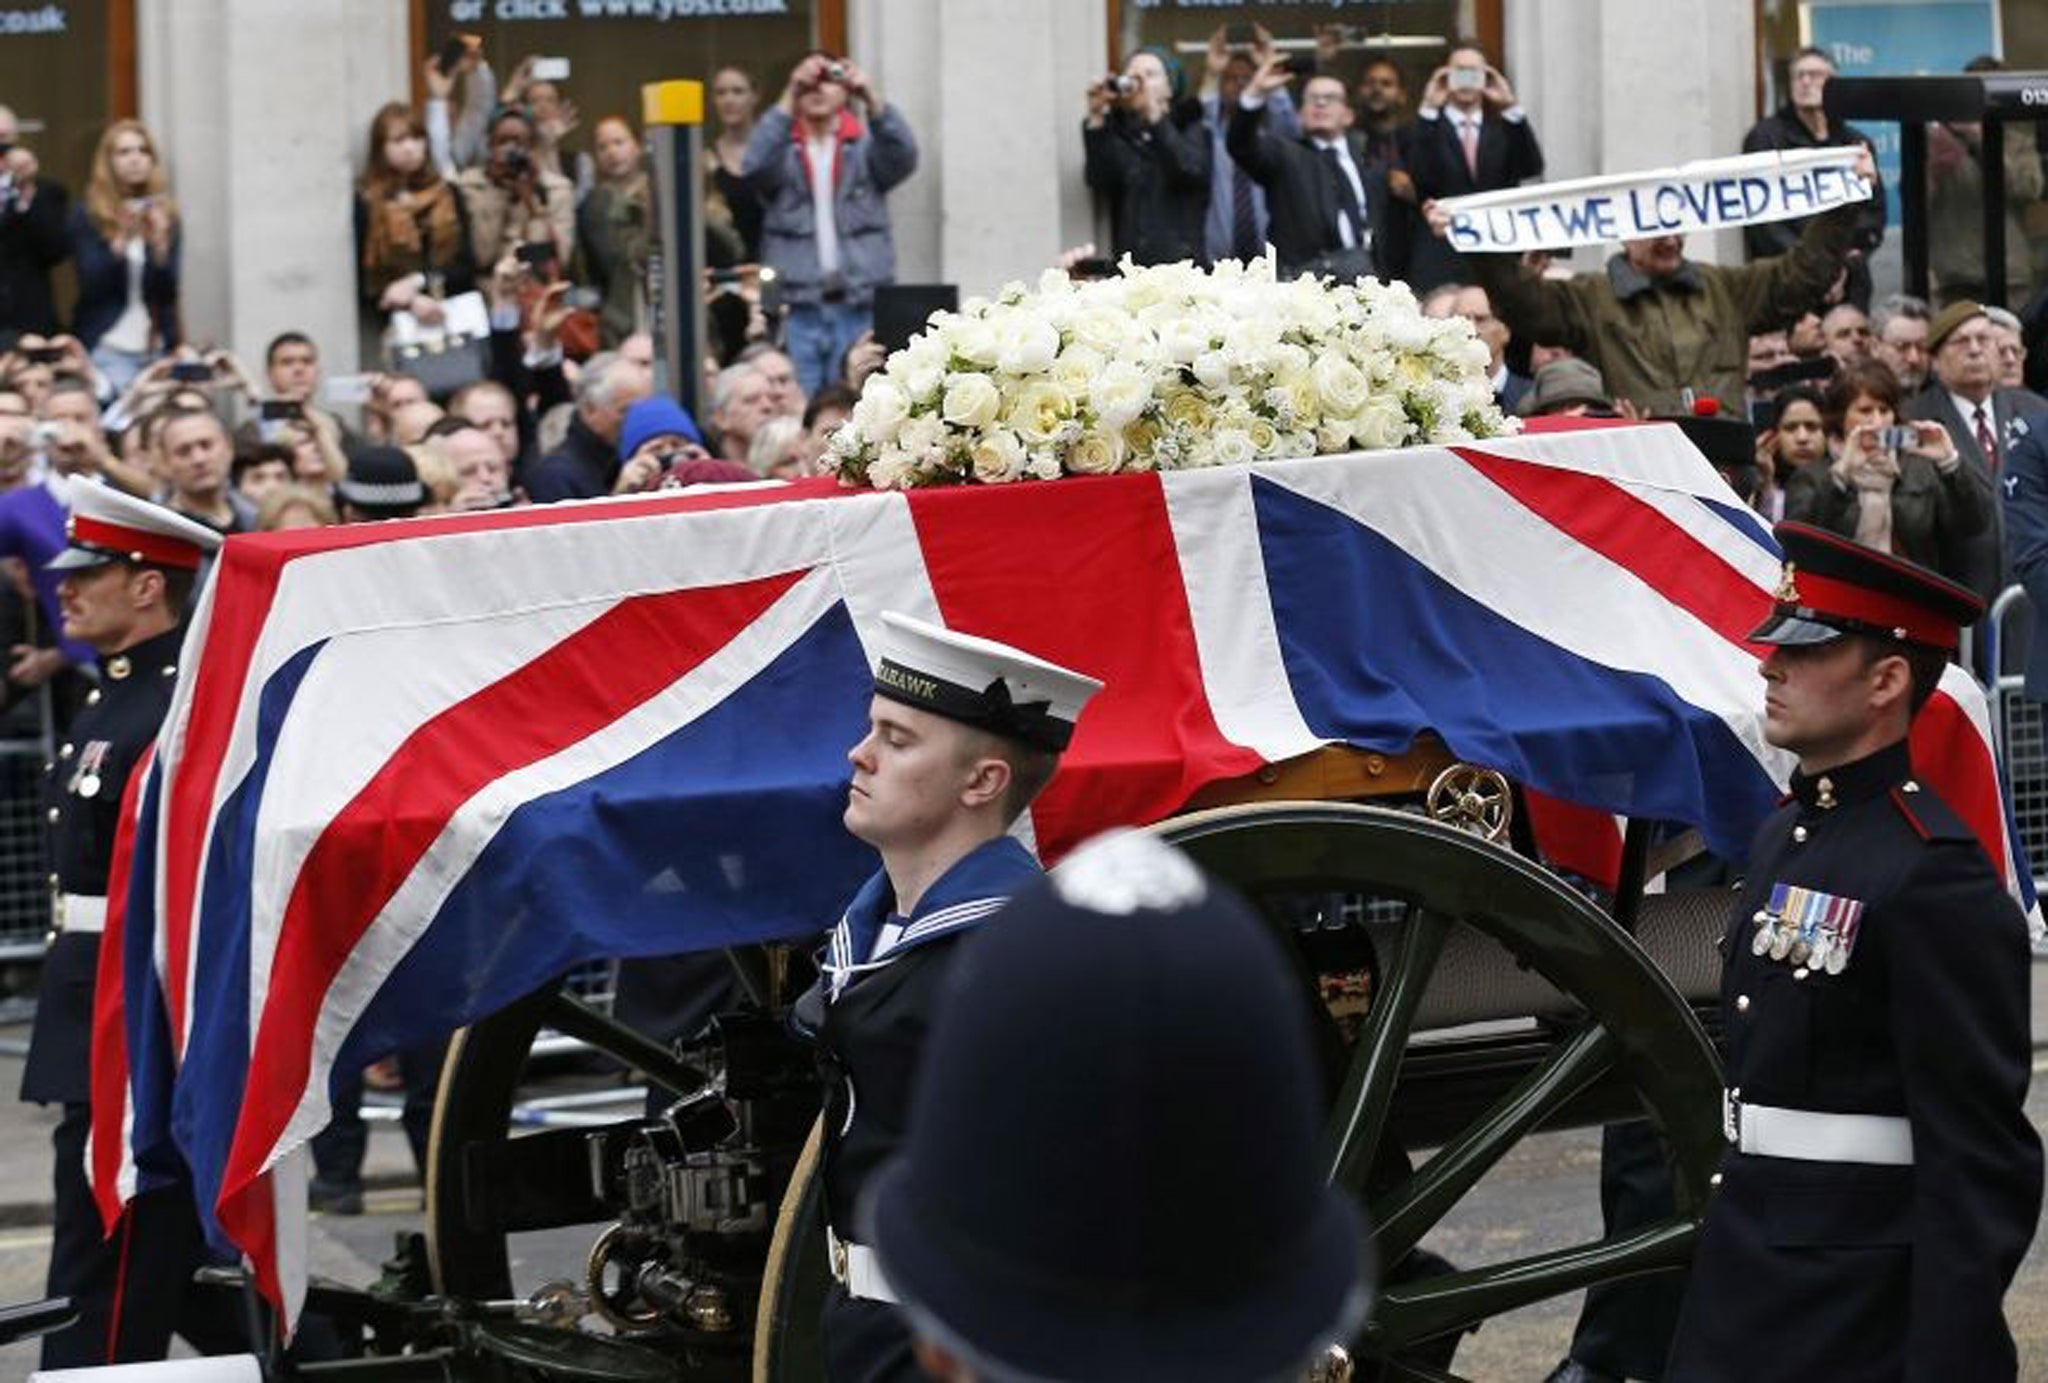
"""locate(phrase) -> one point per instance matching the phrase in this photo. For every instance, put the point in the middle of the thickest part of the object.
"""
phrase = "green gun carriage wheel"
(1615, 1040)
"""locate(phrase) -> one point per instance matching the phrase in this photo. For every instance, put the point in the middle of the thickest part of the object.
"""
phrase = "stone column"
(993, 91)
(257, 105)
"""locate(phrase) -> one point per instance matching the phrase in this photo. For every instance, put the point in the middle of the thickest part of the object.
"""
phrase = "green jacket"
(1651, 338)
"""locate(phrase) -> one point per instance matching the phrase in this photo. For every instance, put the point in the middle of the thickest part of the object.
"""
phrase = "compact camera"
(1896, 439)
(44, 436)
(1467, 79)
(835, 72)
(1124, 84)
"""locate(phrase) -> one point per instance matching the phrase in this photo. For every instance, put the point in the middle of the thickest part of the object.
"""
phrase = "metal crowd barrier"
(25, 746)
(2019, 729)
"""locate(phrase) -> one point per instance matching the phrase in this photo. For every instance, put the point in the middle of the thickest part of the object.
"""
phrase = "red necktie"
(1987, 440)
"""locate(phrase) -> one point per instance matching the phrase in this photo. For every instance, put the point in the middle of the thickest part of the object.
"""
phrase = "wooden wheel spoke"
(1435, 1306)
(1401, 1218)
(1361, 1108)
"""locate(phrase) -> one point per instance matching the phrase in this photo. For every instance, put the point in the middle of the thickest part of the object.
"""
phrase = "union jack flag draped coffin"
(416, 769)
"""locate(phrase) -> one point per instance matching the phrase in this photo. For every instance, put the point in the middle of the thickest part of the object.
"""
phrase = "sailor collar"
(870, 936)
(1867, 777)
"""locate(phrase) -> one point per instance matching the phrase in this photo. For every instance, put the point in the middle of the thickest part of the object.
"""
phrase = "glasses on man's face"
(1323, 98)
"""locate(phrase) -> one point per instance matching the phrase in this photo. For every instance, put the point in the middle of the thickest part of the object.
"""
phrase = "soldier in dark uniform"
(1883, 1182)
(128, 575)
(964, 732)
(1168, 1215)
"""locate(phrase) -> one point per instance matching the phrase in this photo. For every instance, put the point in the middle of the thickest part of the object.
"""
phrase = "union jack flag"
(417, 769)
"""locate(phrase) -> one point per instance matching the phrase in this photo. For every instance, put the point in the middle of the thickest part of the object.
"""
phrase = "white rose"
(1120, 393)
(1077, 367)
(884, 407)
(890, 470)
(998, 457)
(1332, 436)
(1232, 447)
(1380, 424)
(1341, 385)
(1039, 411)
(974, 341)
(971, 401)
(1183, 340)
(1043, 465)
(1026, 344)
(1213, 370)
(1095, 453)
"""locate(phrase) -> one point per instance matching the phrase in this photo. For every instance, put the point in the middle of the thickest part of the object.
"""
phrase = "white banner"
(1713, 194)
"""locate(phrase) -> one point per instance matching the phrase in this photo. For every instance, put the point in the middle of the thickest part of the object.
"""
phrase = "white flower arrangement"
(1165, 368)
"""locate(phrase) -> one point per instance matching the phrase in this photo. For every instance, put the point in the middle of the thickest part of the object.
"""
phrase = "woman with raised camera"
(513, 203)
(412, 230)
(125, 244)
(1899, 488)
(1150, 155)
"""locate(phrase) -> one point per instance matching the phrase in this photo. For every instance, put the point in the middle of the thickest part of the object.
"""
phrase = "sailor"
(128, 576)
(963, 733)
(1175, 1221)
(1882, 1181)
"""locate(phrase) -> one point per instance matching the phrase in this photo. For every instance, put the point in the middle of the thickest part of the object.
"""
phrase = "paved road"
(1544, 1195)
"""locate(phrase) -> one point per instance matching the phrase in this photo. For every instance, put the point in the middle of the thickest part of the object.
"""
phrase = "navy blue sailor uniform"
(1883, 1181)
(120, 1319)
(881, 974)
(880, 986)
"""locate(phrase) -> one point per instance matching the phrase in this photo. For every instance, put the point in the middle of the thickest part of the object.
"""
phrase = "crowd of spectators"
(502, 262)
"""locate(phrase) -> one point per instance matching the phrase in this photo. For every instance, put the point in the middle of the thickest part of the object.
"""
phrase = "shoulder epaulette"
(1929, 816)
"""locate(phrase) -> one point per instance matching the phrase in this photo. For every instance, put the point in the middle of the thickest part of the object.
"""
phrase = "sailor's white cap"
(980, 682)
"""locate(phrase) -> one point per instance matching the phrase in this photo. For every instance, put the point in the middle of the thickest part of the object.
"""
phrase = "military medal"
(86, 782)
(1811, 929)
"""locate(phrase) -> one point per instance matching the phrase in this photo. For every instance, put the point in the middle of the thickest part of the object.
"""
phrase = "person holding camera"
(1330, 205)
(1898, 489)
(822, 175)
(33, 212)
(1470, 135)
(1147, 152)
(125, 245)
(514, 206)
(1237, 219)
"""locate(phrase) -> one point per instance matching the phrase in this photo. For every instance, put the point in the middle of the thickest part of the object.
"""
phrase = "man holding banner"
(1654, 323)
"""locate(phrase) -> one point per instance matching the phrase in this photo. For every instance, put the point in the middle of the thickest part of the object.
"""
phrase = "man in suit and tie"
(1470, 135)
(1328, 205)
(1983, 419)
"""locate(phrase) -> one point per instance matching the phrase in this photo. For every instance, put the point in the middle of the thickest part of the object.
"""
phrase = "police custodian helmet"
(1112, 1170)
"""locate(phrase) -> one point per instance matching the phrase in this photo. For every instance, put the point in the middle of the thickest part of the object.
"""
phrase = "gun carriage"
(1467, 998)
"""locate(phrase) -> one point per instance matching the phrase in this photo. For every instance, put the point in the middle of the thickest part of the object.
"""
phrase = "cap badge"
(1788, 590)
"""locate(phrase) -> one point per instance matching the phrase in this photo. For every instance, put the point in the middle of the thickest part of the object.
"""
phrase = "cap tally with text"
(980, 682)
(106, 525)
(1832, 586)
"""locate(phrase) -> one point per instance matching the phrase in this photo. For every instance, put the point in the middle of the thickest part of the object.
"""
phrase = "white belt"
(79, 912)
(1807, 1135)
(855, 1268)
